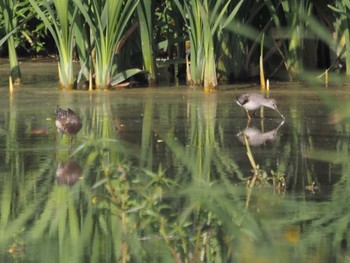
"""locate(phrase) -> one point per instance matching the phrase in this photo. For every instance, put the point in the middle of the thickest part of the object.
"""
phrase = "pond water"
(163, 175)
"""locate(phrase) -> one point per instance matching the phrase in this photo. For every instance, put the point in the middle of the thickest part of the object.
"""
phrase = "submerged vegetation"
(201, 40)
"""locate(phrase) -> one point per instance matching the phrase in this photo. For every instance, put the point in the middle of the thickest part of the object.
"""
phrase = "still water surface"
(161, 174)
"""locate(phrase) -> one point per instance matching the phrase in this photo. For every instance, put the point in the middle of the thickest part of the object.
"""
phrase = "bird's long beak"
(280, 113)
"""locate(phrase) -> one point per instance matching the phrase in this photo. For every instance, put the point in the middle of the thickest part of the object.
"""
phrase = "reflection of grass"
(260, 177)
(185, 207)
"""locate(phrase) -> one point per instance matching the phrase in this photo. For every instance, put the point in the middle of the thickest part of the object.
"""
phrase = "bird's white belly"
(59, 126)
(251, 105)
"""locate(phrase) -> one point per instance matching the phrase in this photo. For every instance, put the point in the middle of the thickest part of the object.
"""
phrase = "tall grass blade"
(261, 63)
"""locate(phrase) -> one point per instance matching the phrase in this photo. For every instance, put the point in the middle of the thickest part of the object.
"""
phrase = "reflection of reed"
(68, 173)
(202, 137)
(191, 206)
(128, 130)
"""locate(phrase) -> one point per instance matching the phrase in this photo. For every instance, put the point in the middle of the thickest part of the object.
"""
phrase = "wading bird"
(253, 101)
(67, 121)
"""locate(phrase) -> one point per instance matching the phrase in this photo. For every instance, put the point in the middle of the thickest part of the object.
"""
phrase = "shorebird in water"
(253, 101)
(67, 121)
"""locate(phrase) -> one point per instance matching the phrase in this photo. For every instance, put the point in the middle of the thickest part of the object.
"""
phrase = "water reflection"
(165, 181)
(256, 137)
(68, 173)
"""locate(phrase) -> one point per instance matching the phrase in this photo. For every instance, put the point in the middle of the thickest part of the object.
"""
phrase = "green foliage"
(59, 18)
(205, 21)
(294, 29)
(342, 25)
(145, 11)
(107, 21)
(8, 9)
(223, 37)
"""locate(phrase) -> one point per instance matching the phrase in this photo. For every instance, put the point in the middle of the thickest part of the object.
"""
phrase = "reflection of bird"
(68, 173)
(253, 101)
(255, 137)
(67, 121)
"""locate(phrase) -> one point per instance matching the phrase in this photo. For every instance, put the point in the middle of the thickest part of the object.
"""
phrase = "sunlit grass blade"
(122, 76)
(250, 155)
(261, 62)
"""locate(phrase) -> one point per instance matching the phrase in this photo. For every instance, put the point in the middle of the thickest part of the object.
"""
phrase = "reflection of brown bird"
(68, 173)
(255, 137)
(67, 121)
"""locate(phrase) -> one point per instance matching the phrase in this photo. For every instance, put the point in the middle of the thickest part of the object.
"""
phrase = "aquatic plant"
(296, 32)
(107, 21)
(145, 11)
(104, 41)
(84, 49)
(237, 43)
(205, 20)
(59, 18)
(342, 26)
(293, 30)
(8, 10)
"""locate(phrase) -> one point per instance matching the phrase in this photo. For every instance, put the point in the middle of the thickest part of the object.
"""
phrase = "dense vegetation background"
(202, 41)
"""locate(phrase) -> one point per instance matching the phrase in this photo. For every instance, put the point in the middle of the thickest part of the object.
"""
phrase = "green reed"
(205, 21)
(294, 31)
(107, 21)
(342, 25)
(98, 30)
(59, 18)
(10, 16)
(145, 11)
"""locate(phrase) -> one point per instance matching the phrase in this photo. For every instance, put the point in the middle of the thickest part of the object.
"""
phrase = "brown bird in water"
(67, 121)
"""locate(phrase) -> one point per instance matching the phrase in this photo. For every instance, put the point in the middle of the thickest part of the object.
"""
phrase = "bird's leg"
(249, 118)
(54, 146)
(71, 144)
(248, 123)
